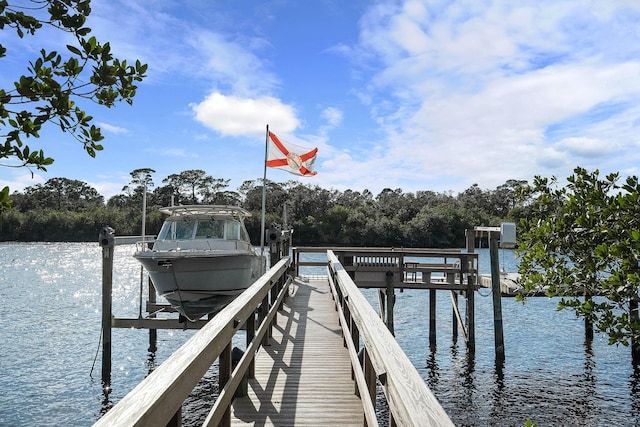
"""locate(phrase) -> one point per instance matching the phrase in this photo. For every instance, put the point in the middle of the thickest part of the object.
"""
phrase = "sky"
(412, 94)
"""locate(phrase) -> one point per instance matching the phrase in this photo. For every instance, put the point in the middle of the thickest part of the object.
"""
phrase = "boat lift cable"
(484, 295)
(93, 365)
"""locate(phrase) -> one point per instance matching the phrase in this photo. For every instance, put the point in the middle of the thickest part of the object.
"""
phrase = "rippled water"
(50, 331)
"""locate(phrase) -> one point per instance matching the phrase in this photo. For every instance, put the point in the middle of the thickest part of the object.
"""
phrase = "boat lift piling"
(108, 240)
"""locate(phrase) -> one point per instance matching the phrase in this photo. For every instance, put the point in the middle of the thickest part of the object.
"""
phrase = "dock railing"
(410, 401)
(158, 399)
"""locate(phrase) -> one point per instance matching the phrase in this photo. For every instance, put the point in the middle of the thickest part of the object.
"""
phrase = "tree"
(189, 184)
(141, 179)
(583, 241)
(50, 91)
(60, 194)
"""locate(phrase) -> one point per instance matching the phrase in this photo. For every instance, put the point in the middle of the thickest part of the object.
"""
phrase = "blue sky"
(419, 95)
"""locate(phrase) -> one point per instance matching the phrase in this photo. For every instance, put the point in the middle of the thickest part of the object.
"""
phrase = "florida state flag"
(290, 157)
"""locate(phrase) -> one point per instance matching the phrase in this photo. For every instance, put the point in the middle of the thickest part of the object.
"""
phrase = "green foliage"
(581, 241)
(56, 81)
(5, 200)
(318, 216)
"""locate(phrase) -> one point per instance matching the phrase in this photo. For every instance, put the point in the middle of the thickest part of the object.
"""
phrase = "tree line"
(64, 209)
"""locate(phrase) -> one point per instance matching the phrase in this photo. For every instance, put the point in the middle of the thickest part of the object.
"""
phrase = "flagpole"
(264, 198)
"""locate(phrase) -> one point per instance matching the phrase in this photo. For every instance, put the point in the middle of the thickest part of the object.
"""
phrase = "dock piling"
(497, 295)
(106, 239)
(391, 298)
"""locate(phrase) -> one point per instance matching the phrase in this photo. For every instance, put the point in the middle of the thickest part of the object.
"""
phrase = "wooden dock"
(316, 353)
(304, 376)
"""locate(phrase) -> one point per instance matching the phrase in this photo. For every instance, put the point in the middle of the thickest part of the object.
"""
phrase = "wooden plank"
(155, 323)
(304, 376)
(410, 400)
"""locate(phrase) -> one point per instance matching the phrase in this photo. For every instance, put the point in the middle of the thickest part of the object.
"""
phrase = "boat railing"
(193, 245)
(158, 399)
(381, 359)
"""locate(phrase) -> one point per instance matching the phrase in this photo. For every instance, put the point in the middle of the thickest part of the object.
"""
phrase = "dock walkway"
(304, 376)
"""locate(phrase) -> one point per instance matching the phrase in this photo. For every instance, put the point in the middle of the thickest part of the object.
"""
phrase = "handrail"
(159, 397)
(410, 401)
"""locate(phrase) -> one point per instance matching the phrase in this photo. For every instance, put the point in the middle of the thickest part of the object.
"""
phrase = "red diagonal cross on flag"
(293, 162)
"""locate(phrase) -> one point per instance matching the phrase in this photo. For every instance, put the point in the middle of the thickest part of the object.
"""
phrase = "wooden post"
(251, 333)
(107, 242)
(497, 295)
(226, 367)
(471, 240)
(391, 296)
(454, 300)
(635, 345)
(176, 421)
(470, 312)
(370, 377)
(263, 310)
(588, 325)
(153, 333)
(432, 318)
(382, 304)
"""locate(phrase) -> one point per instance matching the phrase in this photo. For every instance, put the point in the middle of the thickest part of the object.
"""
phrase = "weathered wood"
(497, 295)
(304, 376)
(225, 367)
(432, 317)
(391, 299)
(159, 396)
(155, 323)
(107, 285)
(471, 316)
(153, 332)
(222, 405)
(457, 318)
(410, 400)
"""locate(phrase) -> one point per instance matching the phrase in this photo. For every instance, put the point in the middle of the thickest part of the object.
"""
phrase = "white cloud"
(232, 115)
(471, 88)
(112, 129)
(176, 152)
(20, 179)
(333, 116)
(585, 147)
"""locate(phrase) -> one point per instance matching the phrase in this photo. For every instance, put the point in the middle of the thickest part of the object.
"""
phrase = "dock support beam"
(497, 295)
(432, 318)
(107, 242)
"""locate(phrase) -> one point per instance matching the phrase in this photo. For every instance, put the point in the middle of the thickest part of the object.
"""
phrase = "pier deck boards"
(303, 377)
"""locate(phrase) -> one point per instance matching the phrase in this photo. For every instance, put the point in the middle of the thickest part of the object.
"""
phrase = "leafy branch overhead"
(56, 81)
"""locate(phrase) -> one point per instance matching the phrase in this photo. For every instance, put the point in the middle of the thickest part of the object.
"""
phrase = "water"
(50, 331)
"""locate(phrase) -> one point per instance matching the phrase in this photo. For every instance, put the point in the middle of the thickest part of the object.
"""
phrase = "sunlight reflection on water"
(51, 298)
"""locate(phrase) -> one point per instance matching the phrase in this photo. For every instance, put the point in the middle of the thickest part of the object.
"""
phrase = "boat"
(202, 258)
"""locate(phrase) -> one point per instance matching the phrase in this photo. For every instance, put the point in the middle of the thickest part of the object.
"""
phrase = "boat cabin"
(203, 228)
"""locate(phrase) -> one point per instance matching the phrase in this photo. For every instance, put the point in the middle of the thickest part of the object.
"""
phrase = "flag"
(290, 157)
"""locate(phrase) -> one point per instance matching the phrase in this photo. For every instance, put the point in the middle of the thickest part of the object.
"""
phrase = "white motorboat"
(202, 258)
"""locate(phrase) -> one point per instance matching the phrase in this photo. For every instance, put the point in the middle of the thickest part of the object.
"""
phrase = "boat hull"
(200, 283)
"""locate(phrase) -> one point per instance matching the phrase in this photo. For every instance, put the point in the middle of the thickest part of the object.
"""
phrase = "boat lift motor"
(276, 233)
(107, 237)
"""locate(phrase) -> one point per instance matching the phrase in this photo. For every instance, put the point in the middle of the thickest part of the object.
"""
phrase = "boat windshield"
(183, 229)
(177, 230)
(209, 229)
